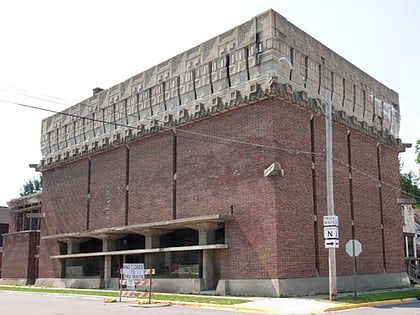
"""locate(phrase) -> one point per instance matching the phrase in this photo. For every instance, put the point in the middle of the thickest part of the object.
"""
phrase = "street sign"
(331, 232)
(353, 248)
(133, 271)
(330, 220)
(332, 244)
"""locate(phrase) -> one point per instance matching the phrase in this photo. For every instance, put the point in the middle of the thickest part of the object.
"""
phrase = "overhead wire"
(46, 98)
(214, 139)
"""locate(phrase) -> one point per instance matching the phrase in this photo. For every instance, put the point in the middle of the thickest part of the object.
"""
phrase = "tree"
(409, 182)
(31, 186)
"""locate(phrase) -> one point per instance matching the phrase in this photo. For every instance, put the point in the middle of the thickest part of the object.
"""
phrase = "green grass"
(373, 297)
(115, 294)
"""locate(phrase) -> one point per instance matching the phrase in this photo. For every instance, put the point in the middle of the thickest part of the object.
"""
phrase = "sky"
(53, 53)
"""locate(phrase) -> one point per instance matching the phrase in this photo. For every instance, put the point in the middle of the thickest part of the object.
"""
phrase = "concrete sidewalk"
(296, 306)
(305, 305)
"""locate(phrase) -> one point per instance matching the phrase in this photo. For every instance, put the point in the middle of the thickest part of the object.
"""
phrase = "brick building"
(21, 243)
(172, 168)
(4, 228)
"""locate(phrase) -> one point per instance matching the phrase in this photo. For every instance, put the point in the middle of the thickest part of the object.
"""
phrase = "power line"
(214, 139)
(42, 98)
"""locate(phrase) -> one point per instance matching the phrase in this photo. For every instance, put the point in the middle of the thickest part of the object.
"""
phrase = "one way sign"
(331, 244)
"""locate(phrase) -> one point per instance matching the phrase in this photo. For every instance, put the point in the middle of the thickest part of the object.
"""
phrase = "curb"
(237, 307)
(367, 304)
(234, 307)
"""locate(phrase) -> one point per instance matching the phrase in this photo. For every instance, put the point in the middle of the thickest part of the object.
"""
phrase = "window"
(403, 215)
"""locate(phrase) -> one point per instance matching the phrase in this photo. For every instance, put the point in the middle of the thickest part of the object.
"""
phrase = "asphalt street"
(18, 303)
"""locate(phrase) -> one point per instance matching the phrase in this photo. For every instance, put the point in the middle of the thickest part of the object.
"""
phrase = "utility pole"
(330, 196)
(332, 273)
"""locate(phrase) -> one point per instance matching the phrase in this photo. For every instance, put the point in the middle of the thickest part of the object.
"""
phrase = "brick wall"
(64, 200)
(150, 194)
(219, 166)
(107, 189)
(49, 268)
(20, 259)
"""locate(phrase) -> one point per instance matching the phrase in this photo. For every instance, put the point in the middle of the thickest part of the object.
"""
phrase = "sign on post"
(353, 248)
(331, 232)
(331, 236)
(133, 271)
(330, 220)
(132, 276)
(332, 243)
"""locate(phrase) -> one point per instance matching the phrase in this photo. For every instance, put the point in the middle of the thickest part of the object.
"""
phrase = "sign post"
(353, 249)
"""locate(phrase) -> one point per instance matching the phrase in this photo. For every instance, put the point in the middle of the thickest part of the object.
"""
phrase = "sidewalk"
(305, 305)
(297, 306)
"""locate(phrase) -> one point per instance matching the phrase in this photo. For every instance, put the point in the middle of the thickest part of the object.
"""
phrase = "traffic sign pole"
(353, 249)
(354, 269)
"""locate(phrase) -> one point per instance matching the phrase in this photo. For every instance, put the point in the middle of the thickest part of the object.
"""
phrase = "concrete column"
(151, 241)
(208, 270)
(73, 247)
(207, 235)
(107, 245)
(406, 247)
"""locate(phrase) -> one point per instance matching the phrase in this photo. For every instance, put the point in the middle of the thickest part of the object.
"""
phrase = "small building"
(4, 228)
(21, 244)
(411, 233)
(406, 203)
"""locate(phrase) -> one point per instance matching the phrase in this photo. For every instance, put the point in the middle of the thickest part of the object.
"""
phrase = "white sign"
(332, 243)
(353, 248)
(330, 220)
(133, 271)
(131, 284)
(330, 232)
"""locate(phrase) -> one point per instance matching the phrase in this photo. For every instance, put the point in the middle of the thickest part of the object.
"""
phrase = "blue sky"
(54, 52)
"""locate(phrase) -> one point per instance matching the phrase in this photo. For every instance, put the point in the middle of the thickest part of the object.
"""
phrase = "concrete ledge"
(177, 285)
(70, 283)
(309, 286)
(12, 281)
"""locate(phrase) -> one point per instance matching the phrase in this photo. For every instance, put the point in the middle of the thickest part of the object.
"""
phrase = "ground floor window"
(185, 264)
(83, 267)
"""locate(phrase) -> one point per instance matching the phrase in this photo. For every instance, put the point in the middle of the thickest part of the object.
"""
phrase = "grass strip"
(106, 293)
(383, 296)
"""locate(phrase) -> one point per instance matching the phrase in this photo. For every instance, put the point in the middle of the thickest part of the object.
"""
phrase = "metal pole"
(330, 197)
(354, 270)
(121, 278)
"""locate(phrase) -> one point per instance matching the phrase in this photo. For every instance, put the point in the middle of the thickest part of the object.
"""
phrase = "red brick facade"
(219, 165)
(20, 260)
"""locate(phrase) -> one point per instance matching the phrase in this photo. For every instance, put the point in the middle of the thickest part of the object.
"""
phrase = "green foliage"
(31, 186)
(409, 184)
